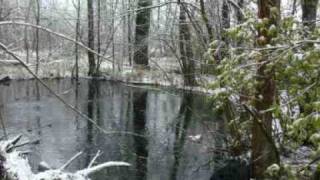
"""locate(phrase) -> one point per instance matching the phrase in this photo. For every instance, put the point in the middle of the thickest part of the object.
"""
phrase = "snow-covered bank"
(162, 72)
(15, 166)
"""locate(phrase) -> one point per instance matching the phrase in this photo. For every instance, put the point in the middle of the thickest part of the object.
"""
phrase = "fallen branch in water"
(15, 166)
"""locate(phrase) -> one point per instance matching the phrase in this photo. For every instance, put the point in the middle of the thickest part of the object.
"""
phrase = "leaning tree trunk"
(141, 46)
(91, 59)
(309, 13)
(185, 45)
(264, 151)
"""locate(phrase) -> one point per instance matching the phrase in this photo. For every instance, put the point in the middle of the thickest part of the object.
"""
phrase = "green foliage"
(295, 64)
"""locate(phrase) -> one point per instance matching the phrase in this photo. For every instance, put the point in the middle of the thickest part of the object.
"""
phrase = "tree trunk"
(294, 7)
(264, 151)
(1, 10)
(140, 57)
(309, 17)
(185, 45)
(239, 14)
(98, 32)
(91, 58)
(26, 34)
(129, 33)
(37, 35)
(225, 19)
(77, 39)
(206, 20)
(309, 13)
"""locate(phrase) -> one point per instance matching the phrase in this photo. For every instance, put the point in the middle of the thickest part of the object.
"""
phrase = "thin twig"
(23, 144)
(70, 161)
(94, 159)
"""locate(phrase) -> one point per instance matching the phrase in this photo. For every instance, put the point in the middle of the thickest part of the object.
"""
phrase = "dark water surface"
(165, 121)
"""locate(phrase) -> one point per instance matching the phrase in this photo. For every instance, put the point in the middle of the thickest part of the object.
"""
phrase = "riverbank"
(163, 72)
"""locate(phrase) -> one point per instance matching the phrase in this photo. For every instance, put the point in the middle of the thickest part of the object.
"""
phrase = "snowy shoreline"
(135, 78)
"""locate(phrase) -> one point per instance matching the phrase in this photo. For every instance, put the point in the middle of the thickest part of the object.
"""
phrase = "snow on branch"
(15, 166)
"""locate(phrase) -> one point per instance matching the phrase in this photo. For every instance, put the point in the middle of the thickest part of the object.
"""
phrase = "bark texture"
(309, 13)
(141, 46)
(264, 151)
(206, 20)
(185, 45)
(91, 58)
(239, 14)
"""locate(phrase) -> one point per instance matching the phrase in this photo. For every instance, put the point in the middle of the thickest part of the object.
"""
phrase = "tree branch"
(2, 23)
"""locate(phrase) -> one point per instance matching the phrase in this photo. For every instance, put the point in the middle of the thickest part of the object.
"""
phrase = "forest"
(159, 89)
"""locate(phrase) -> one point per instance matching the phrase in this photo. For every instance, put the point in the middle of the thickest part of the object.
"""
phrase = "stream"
(164, 134)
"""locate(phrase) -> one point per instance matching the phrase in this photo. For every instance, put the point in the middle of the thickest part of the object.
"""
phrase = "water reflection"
(93, 112)
(163, 124)
(139, 124)
(185, 116)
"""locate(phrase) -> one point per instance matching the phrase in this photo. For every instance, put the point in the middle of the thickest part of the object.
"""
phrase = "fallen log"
(10, 62)
(15, 166)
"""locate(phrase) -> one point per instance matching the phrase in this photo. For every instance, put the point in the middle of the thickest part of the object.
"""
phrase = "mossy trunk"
(264, 151)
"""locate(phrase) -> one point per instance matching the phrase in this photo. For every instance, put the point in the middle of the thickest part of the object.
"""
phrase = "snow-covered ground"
(163, 72)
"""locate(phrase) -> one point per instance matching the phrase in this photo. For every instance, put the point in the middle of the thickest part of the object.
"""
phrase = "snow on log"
(10, 62)
(15, 166)
(88, 171)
